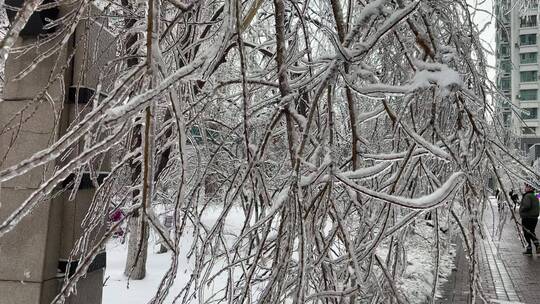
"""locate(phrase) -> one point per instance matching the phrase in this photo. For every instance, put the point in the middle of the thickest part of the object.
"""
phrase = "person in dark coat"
(514, 197)
(498, 197)
(529, 210)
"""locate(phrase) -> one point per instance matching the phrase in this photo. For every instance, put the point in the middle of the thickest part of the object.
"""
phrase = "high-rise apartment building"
(517, 48)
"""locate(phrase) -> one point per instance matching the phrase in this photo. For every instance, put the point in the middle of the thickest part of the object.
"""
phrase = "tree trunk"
(135, 267)
(137, 249)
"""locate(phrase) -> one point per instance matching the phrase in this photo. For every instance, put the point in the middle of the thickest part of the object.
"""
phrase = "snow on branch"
(424, 202)
(292, 152)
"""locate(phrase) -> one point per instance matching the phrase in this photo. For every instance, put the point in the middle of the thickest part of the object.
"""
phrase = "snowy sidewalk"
(507, 275)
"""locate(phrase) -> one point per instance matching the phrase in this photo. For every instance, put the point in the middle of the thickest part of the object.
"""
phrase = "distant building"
(517, 48)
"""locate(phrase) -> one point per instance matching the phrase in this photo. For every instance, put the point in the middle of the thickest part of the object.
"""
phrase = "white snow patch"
(416, 283)
(117, 289)
(440, 74)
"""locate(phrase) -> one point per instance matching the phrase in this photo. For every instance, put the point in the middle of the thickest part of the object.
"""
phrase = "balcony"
(528, 22)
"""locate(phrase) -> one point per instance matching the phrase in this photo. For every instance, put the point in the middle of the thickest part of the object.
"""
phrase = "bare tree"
(334, 126)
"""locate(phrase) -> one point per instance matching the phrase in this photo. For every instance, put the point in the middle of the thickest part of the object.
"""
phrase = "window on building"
(504, 50)
(532, 148)
(505, 17)
(501, 6)
(528, 21)
(528, 94)
(503, 36)
(195, 132)
(528, 76)
(505, 83)
(527, 39)
(528, 130)
(506, 119)
(506, 67)
(504, 103)
(529, 113)
(528, 57)
(530, 4)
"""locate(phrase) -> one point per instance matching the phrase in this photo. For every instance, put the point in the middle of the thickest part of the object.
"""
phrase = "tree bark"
(137, 249)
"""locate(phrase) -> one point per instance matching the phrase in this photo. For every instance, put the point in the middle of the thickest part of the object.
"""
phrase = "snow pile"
(417, 281)
(447, 79)
(414, 283)
(117, 288)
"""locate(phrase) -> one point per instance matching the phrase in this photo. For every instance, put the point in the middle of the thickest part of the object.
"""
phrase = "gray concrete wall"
(99, 46)
(31, 253)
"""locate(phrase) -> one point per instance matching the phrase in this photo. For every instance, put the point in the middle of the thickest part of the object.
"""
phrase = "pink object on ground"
(117, 215)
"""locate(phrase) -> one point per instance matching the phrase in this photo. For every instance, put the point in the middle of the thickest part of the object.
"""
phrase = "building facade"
(40, 251)
(517, 48)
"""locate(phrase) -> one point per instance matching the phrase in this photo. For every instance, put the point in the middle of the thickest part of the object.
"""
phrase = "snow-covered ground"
(416, 283)
(118, 289)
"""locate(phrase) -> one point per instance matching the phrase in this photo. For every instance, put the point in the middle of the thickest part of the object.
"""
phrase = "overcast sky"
(488, 35)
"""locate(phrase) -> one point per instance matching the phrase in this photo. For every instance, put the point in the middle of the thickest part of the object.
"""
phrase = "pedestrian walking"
(529, 210)
(498, 198)
(514, 197)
